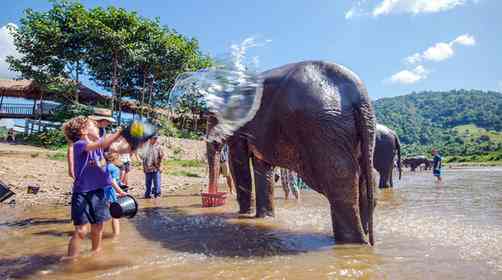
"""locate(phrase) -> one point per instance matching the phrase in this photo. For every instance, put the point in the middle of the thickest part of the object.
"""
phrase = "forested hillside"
(459, 122)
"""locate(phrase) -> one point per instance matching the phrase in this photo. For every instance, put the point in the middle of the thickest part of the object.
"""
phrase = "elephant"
(387, 146)
(316, 119)
(416, 161)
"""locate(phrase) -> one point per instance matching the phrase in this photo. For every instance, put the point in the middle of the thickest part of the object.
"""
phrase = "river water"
(423, 231)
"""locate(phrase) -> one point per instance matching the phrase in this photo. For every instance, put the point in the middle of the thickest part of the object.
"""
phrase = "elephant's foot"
(245, 211)
(350, 238)
(264, 213)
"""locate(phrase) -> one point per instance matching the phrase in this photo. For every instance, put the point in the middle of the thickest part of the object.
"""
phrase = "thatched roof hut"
(30, 90)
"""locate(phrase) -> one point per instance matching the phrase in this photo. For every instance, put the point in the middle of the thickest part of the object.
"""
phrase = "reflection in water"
(423, 231)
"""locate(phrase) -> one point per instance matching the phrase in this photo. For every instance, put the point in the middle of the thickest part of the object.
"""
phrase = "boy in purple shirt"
(88, 203)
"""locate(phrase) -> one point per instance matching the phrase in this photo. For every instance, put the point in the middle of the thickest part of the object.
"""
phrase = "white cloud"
(438, 52)
(499, 86)
(350, 13)
(387, 7)
(415, 6)
(466, 40)
(6, 48)
(409, 76)
(441, 51)
(414, 58)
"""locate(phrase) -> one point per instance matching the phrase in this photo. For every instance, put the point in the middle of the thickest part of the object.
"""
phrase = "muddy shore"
(22, 166)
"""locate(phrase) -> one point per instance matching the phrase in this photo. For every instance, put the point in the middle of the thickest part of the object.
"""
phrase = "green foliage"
(168, 128)
(130, 55)
(459, 123)
(67, 111)
(185, 168)
(3, 133)
(52, 139)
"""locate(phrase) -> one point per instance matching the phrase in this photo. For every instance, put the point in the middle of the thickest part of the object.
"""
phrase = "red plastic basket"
(213, 199)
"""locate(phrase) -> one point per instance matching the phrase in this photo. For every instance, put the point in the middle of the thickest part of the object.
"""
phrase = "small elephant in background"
(416, 161)
(387, 147)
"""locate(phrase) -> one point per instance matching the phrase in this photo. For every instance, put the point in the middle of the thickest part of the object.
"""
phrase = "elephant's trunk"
(213, 160)
(213, 157)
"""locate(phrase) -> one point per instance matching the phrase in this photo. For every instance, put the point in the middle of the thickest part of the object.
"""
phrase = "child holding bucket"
(112, 163)
(88, 203)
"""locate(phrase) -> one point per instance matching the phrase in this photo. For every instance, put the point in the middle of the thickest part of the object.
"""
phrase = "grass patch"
(183, 173)
(57, 155)
(184, 163)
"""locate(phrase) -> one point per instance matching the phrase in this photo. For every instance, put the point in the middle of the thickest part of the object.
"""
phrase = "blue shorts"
(89, 207)
(436, 173)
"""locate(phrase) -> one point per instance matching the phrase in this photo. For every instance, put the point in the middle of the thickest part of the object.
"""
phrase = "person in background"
(225, 168)
(11, 135)
(112, 166)
(125, 168)
(436, 165)
(152, 166)
(289, 183)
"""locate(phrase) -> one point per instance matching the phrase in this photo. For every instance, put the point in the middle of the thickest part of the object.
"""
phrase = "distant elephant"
(416, 161)
(316, 119)
(387, 146)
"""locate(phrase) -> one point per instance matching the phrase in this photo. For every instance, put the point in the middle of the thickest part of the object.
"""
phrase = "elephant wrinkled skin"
(387, 147)
(316, 119)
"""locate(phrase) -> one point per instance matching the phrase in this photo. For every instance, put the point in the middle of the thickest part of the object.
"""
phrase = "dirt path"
(22, 166)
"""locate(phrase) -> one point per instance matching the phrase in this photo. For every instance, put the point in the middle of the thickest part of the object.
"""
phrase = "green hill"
(461, 123)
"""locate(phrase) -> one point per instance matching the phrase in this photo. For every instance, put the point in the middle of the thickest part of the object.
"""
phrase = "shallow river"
(423, 231)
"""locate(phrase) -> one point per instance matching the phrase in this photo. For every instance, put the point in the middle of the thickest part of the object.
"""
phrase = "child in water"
(112, 166)
(436, 165)
(88, 202)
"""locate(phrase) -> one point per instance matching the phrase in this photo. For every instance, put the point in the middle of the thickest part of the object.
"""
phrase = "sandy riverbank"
(22, 166)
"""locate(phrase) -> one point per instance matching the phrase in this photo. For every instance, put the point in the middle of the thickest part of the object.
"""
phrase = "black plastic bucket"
(5, 192)
(125, 206)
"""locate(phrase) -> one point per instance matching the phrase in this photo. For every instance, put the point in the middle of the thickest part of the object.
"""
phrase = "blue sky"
(395, 46)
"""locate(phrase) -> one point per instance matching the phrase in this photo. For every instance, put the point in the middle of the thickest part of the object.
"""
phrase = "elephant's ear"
(232, 97)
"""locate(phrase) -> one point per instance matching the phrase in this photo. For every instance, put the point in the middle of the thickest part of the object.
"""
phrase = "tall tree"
(53, 46)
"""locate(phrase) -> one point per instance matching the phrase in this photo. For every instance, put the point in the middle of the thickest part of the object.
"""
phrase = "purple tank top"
(90, 168)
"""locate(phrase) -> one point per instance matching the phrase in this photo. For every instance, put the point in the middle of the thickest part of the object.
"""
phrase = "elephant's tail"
(398, 147)
(366, 125)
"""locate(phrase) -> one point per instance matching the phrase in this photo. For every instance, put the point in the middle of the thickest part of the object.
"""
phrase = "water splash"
(231, 90)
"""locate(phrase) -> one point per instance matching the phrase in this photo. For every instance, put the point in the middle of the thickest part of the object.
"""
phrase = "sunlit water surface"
(423, 231)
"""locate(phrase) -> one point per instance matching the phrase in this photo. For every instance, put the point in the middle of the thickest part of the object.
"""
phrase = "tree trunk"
(119, 106)
(142, 104)
(114, 81)
(77, 70)
(150, 93)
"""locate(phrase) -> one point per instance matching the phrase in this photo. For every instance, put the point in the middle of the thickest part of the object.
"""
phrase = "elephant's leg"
(381, 176)
(343, 196)
(241, 173)
(391, 181)
(263, 174)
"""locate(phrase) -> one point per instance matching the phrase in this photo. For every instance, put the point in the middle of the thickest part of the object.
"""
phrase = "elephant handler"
(436, 165)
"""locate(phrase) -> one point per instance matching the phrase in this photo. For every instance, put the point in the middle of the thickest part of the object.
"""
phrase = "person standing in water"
(152, 167)
(436, 165)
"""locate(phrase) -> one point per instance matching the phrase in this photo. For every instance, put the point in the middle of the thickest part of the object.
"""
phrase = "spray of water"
(231, 90)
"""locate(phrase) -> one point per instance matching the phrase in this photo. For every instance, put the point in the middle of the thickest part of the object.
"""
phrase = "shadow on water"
(35, 222)
(22, 267)
(29, 266)
(221, 234)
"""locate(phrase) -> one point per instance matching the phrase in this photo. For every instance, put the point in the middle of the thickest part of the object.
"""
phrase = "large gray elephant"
(316, 119)
(387, 147)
